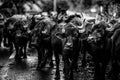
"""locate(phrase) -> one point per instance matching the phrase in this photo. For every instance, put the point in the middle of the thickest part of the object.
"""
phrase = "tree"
(48, 6)
(87, 4)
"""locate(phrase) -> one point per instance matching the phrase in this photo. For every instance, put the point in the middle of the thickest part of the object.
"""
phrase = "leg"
(97, 75)
(1, 36)
(48, 56)
(4, 41)
(115, 71)
(25, 55)
(44, 57)
(75, 64)
(103, 70)
(71, 76)
(0, 40)
(66, 65)
(21, 52)
(29, 44)
(51, 56)
(5, 37)
(39, 56)
(17, 56)
(11, 45)
(84, 58)
(57, 61)
(30, 40)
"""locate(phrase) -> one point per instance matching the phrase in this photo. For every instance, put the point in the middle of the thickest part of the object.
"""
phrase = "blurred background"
(110, 7)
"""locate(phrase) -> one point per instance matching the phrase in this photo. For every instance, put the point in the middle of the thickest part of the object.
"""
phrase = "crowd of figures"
(66, 36)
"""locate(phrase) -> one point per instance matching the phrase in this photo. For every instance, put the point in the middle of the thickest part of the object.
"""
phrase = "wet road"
(26, 70)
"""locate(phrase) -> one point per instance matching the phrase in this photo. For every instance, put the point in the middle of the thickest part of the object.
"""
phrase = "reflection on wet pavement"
(4, 56)
(26, 70)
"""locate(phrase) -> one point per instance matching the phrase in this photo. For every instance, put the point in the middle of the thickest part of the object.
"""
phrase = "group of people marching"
(66, 35)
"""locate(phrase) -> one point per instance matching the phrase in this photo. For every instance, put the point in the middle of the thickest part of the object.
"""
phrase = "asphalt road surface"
(26, 70)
